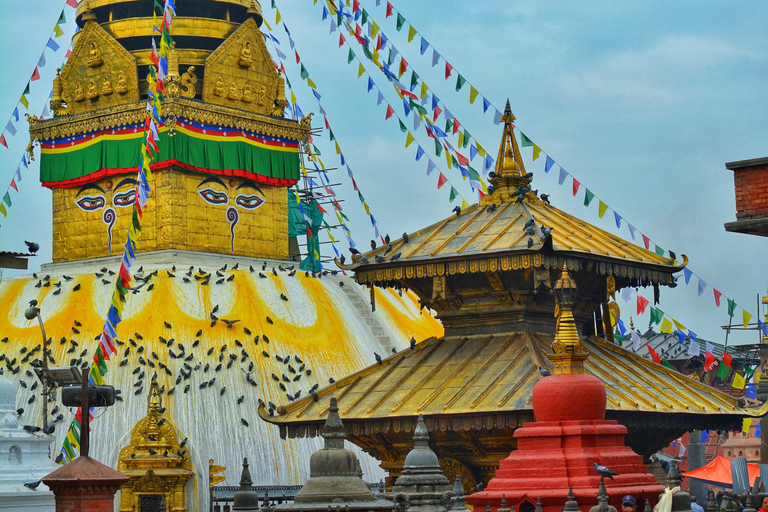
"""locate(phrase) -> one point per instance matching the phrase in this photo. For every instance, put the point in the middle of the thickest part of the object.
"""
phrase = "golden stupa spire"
(568, 352)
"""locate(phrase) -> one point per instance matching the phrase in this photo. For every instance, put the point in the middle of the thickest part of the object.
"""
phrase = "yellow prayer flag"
(746, 317)
(339, 217)
(411, 33)
(367, 210)
(601, 209)
(311, 83)
(448, 159)
(756, 378)
(738, 381)
(3, 210)
(472, 94)
(666, 326)
(338, 149)
(409, 139)
(267, 24)
(72, 439)
(330, 235)
(57, 31)
(24, 101)
(424, 89)
(374, 29)
(277, 16)
(536, 151)
(293, 98)
(746, 424)
(360, 70)
(464, 204)
(680, 327)
(461, 138)
(303, 170)
(480, 150)
(322, 165)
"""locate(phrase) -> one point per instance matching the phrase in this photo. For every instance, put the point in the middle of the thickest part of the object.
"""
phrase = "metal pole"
(46, 391)
(84, 416)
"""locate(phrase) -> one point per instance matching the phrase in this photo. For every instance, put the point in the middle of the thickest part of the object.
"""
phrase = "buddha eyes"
(90, 203)
(124, 199)
(249, 202)
(213, 197)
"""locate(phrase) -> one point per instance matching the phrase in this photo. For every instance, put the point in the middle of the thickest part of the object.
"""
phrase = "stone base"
(554, 455)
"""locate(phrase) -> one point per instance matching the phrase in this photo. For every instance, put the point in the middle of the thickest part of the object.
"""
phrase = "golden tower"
(227, 151)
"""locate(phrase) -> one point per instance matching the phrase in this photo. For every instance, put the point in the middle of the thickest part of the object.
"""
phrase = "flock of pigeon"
(184, 367)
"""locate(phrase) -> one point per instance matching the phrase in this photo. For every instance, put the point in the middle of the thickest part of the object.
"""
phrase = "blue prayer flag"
(548, 164)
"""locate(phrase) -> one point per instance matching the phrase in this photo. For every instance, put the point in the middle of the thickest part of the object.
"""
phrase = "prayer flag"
(693, 348)
(654, 355)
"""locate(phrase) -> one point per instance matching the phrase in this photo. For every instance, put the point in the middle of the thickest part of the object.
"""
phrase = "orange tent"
(718, 472)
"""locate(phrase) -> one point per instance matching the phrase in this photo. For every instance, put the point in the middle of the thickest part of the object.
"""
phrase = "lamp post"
(32, 312)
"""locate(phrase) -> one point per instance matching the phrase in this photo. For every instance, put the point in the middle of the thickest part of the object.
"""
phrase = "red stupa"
(570, 434)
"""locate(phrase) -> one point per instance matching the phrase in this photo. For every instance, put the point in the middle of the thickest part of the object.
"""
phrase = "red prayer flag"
(389, 10)
(354, 184)
(13, 184)
(403, 66)
(480, 194)
(341, 39)
(405, 92)
(69, 52)
(320, 208)
(717, 297)
(390, 112)
(654, 355)
(327, 126)
(709, 360)
(297, 56)
(727, 358)
(72, 3)
(35, 75)
(575, 186)
(436, 113)
(2, 140)
(456, 125)
(642, 303)
(378, 42)
(441, 180)
(462, 159)
(355, 5)
(646, 241)
(448, 70)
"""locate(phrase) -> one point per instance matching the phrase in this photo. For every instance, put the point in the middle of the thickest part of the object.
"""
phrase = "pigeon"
(242, 420)
(479, 487)
(544, 372)
(269, 321)
(395, 256)
(378, 259)
(406, 239)
(530, 243)
(672, 255)
(32, 428)
(373, 244)
(33, 485)
(282, 296)
(33, 248)
(457, 210)
(378, 357)
(545, 198)
(604, 471)
(546, 232)
(413, 342)
(152, 451)
(167, 325)
(20, 411)
(151, 437)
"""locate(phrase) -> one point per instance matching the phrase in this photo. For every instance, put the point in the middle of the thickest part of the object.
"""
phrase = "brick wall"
(751, 184)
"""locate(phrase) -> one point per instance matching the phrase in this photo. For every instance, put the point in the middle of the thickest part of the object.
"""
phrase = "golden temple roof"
(465, 377)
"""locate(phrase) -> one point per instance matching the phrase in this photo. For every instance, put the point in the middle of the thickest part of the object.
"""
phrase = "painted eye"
(124, 199)
(90, 203)
(249, 202)
(213, 197)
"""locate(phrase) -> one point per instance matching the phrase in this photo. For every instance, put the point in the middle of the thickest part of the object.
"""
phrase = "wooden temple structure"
(488, 272)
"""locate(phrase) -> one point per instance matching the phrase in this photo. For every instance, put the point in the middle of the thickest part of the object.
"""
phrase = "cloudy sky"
(641, 102)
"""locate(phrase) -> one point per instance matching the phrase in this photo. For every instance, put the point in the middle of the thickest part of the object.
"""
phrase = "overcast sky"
(642, 102)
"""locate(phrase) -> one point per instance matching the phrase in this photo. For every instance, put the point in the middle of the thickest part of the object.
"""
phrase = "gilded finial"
(88, 15)
(508, 116)
(568, 352)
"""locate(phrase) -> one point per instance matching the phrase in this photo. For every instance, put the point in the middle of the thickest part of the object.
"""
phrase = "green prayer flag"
(304, 72)
(414, 79)
(26, 90)
(666, 363)
(588, 197)
(448, 125)
(525, 141)
(659, 250)
(454, 194)
(364, 18)
(342, 214)
(722, 371)
(473, 174)
(402, 127)
(350, 56)
(273, 4)
(731, 304)
(748, 371)
(656, 315)
(7, 198)
(62, 18)
(465, 142)
(417, 107)
(454, 162)
(400, 22)
(438, 148)
(332, 136)
(460, 81)
(317, 151)
(360, 195)
(288, 82)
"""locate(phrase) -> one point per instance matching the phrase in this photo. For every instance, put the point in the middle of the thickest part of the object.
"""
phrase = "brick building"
(750, 179)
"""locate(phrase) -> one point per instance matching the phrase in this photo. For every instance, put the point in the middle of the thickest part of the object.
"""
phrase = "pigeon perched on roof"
(33, 248)
(544, 372)
(603, 471)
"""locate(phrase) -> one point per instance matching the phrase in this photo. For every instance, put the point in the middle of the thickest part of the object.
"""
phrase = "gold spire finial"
(568, 352)
(154, 398)
(509, 174)
(88, 15)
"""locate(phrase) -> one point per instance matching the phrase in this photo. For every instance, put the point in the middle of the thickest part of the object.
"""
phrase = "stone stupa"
(25, 459)
(423, 487)
(334, 482)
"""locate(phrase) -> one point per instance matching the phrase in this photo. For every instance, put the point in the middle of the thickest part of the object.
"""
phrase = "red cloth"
(718, 472)
(654, 355)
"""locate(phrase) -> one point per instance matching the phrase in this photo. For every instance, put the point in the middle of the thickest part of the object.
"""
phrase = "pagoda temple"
(218, 308)
(488, 272)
